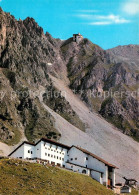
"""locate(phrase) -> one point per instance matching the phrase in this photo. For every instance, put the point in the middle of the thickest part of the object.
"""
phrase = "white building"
(77, 37)
(73, 158)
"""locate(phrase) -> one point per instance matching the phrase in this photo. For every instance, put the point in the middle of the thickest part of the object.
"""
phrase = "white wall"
(19, 153)
(29, 151)
(93, 163)
(97, 176)
(81, 157)
(53, 153)
(38, 150)
(76, 168)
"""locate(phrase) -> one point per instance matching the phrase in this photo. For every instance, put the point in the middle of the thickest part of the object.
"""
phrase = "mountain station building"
(72, 157)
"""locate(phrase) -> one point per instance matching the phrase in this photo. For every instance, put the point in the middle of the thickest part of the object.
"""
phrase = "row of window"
(72, 159)
(83, 171)
(54, 150)
(76, 158)
(30, 152)
(53, 156)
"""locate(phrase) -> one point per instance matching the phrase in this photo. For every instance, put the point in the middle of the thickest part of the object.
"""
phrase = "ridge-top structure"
(77, 37)
(72, 157)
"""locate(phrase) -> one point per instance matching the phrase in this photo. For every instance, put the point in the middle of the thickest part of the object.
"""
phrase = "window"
(28, 151)
(63, 166)
(57, 151)
(48, 154)
(51, 150)
(45, 154)
(31, 152)
(51, 155)
(75, 158)
(86, 158)
(86, 166)
(48, 148)
(71, 166)
(63, 153)
(37, 149)
(54, 156)
(84, 171)
(45, 148)
(54, 150)
(71, 159)
(62, 159)
(60, 152)
(57, 157)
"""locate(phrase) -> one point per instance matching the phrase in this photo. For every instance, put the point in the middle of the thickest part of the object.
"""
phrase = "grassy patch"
(19, 177)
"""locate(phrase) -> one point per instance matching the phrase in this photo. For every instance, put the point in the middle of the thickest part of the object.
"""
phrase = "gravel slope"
(100, 138)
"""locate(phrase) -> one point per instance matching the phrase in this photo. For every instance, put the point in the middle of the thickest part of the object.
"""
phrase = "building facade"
(73, 158)
(77, 37)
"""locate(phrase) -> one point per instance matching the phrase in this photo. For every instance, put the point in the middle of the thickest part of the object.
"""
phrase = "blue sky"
(108, 23)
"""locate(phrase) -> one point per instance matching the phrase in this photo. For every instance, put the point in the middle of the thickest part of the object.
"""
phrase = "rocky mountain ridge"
(28, 56)
(34, 64)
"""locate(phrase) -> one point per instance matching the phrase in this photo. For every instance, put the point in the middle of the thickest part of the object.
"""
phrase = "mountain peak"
(31, 25)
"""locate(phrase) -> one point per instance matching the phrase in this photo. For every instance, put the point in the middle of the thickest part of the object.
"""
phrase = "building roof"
(42, 139)
(94, 156)
(53, 142)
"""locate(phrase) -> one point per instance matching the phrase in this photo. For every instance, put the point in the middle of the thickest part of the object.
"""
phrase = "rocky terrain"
(35, 69)
(24, 57)
(106, 80)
